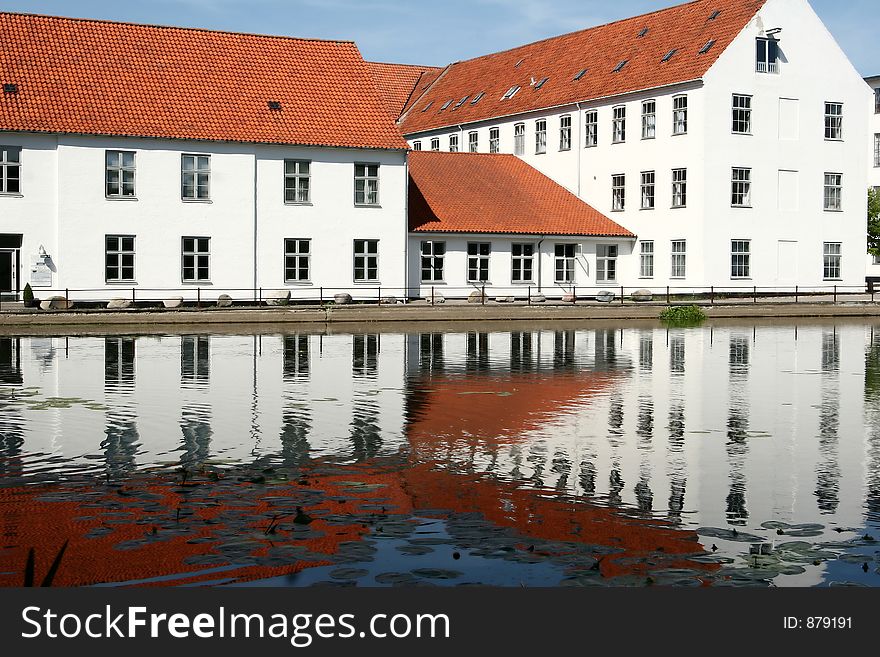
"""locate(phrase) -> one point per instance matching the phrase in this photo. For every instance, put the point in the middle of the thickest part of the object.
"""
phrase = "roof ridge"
(157, 26)
(419, 66)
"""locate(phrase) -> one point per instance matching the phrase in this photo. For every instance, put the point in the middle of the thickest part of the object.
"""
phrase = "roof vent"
(274, 105)
(580, 74)
(707, 47)
(715, 14)
(478, 97)
(541, 83)
(620, 65)
(643, 32)
(669, 55)
(10, 88)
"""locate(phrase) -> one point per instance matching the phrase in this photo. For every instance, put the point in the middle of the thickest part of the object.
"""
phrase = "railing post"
(755, 293)
(260, 298)
(379, 296)
(483, 295)
(321, 295)
(574, 294)
(795, 293)
(529, 298)
(67, 296)
(667, 295)
(432, 296)
(132, 296)
(621, 295)
(835, 294)
(712, 296)
(198, 298)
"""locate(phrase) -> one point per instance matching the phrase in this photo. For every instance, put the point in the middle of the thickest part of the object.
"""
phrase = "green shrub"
(27, 296)
(683, 315)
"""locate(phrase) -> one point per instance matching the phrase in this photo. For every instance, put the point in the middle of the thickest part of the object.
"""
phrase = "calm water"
(725, 455)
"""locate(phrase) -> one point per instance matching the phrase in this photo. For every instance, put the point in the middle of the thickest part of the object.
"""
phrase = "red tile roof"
(98, 77)
(483, 193)
(686, 28)
(397, 83)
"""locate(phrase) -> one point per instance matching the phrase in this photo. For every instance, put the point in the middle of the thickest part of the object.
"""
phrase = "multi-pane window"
(453, 143)
(473, 141)
(767, 55)
(119, 173)
(297, 260)
(522, 263)
(646, 260)
(366, 184)
(831, 260)
(606, 263)
(433, 254)
(119, 258)
(435, 143)
(679, 115)
(565, 132)
(564, 263)
(591, 128)
(649, 119)
(740, 258)
(10, 169)
(195, 259)
(366, 260)
(742, 114)
(618, 191)
(541, 136)
(679, 188)
(741, 188)
(648, 190)
(833, 120)
(519, 139)
(833, 191)
(618, 125)
(195, 177)
(877, 149)
(494, 140)
(417, 145)
(679, 259)
(877, 101)
(478, 261)
(297, 181)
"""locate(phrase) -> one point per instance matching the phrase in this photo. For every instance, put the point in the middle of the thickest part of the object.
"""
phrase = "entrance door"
(8, 271)
(787, 263)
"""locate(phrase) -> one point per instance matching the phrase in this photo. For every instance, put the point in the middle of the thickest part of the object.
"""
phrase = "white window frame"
(519, 139)
(740, 259)
(453, 143)
(478, 261)
(115, 165)
(606, 262)
(365, 261)
(618, 124)
(297, 257)
(741, 114)
(679, 188)
(433, 256)
(740, 187)
(649, 119)
(196, 168)
(618, 192)
(680, 114)
(10, 162)
(832, 255)
(833, 121)
(121, 257)
(435, 143)
(762, 59)
(540, 136)
(417, 145)
(833, 195)
(473, 141)
(591, 128)
(522, 260)
(877, 149)
(563, 263)
(648, 190)
(297, 182)
(366, 175)
(201, 259)
(565, 132)
(494, 140)
(646, 259)
(678, 259)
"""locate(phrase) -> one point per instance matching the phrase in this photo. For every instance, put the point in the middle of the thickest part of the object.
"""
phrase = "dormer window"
(767, 56)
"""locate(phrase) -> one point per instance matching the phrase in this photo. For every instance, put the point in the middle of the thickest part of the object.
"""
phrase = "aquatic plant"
(683, 315)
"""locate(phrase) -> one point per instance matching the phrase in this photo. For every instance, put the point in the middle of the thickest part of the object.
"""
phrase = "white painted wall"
(873, 165)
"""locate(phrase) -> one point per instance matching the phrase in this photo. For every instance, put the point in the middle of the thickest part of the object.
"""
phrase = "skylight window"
(707, 47)
(643, 32)
(510, 93)
(10, 88)
(541, 83)
(620, 65)
(715, 14)
(518, 63)
(461, 102)
(428, 106)
(446, 104)
(580, 74)
(478, 97)
(669, 55)
(274, 105)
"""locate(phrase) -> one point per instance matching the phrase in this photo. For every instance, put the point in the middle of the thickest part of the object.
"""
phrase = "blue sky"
(435, 32)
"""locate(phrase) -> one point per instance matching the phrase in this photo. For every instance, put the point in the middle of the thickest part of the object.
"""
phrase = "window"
(833, 191)
(580, 74)
(297, 181)
(541, 83)
(679, 259)
(460, 102)
(432, 260)
(740, 258)
(669, 55)
(618, 192)
(619, 125)
(877, 100)
(10, 170)
(510, 93)
(119, 258)
(648, 190)
(435, 144)
(541, 136)
(649, 119)
(679, 115)
(620, 65)
(741, 188)
(119, 174)
(366, 184)
(679, 188)
(473, 141)
(453, 143)
(565, 132)
(742, 114)
(195, 177)
(767, 55)
(564, 263)
(446, 104)
(877, 149)
(297, 260)
(522, 263)
(478, 97)
(494, 140)
(707, 47)
(592, 128)
(366, 260)
(833, 121)
(831, 261)
(417, 145)
(606, 263)
(646, 260)
(519, 139)
(196, 259)
(478, 261)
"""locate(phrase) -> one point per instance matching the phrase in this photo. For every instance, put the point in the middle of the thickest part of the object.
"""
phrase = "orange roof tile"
(685, 28)
(98, 77)
(483, 193)
(398, 82)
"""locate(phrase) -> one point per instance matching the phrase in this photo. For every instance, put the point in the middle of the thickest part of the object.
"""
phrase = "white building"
(699, 128)
(874, 160)
(139, 168)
